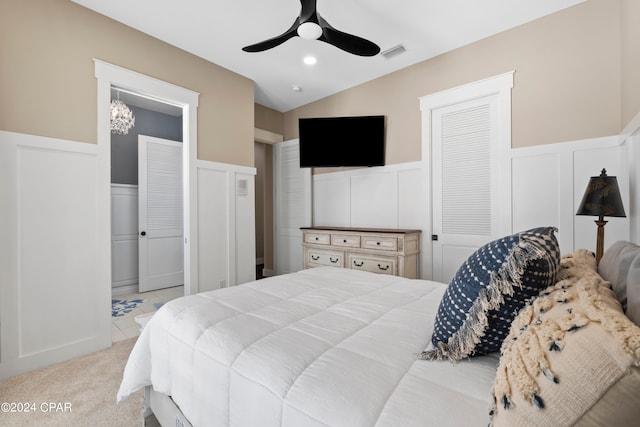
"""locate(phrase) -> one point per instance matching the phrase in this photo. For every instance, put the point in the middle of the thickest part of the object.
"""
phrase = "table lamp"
(601, 198)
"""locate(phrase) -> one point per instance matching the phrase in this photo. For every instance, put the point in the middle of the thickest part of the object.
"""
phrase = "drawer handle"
(356, 263)
(383, 269)
(344, 241)
(317, 238)
(378, 243)
(334, 260)
(315, 258)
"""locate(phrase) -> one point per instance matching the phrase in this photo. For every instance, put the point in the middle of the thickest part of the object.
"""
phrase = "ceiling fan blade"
(348, 42)
(275, 41)
(308, 11)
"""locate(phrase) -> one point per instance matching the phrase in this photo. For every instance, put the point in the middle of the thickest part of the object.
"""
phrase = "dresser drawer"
(383, 243)
(317, 238)
(345, 240)
(316, 258)
(373, 264)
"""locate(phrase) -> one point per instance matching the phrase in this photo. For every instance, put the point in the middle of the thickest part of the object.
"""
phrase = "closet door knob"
(143, 233)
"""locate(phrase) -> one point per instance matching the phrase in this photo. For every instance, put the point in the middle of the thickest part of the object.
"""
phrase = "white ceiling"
(217, 30)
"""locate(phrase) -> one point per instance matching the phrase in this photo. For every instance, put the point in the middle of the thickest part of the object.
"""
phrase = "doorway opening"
(264, 142)
(156, 124)
(110, 76)
(264, 209)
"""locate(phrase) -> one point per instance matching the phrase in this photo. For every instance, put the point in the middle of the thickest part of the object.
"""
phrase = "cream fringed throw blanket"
(567, 349)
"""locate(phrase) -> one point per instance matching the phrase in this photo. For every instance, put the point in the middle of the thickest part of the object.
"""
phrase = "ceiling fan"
(310, 25)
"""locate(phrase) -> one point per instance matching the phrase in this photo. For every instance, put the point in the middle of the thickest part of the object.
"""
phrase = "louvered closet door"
(465, 166)
(292, 194)
(160, 212)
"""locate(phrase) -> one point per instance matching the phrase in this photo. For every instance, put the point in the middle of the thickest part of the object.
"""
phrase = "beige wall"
(269, 119)
(577, 76)
(567, 82)
(48, 88)
(630, 60)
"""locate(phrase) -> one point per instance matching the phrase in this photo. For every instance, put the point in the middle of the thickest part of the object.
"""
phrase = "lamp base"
(600, 239)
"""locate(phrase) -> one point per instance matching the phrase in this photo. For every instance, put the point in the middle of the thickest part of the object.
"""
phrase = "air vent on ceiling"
(394, 51)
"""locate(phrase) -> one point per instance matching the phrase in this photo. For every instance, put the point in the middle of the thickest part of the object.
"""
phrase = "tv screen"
(341, 141)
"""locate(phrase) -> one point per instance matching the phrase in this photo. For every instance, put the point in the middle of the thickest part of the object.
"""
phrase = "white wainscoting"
(631, 137)
(124, 238)
(54, 274)
(634, 186)
(226, 226)
(393, 196)
(549, 182)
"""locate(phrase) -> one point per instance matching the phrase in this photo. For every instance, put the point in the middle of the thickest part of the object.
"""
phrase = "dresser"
(378, 250)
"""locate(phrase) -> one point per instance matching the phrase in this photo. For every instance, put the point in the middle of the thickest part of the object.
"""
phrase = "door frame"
(499, 85)
(109, 75)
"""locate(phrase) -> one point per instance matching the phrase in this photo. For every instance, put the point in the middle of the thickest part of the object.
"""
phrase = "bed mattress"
(324, 346)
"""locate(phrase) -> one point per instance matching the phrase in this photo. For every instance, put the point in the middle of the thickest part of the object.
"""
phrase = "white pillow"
(633, 291)
(614, 267)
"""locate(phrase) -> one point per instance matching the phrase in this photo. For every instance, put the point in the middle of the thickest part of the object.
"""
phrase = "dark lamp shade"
(602, 197)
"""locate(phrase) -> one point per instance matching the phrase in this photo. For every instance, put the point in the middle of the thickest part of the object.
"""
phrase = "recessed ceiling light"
(310, 60)
(296, 88)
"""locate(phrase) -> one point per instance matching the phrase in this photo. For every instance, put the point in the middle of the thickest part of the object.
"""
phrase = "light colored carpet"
(88, 385)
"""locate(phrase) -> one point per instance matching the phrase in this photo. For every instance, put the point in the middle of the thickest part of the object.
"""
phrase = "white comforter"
(324, 346)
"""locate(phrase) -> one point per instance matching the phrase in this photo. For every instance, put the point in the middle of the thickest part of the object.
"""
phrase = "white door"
(465, 165)
(160, 211)
(292, 205)
(467, 139)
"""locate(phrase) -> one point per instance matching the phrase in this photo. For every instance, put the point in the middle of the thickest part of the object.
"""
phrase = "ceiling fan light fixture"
(309, 30)
(311, 26)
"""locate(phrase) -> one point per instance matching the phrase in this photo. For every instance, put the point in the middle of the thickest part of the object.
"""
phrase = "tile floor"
(125, 326)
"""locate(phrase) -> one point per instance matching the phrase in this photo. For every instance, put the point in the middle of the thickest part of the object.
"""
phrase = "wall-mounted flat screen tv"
(342, 141)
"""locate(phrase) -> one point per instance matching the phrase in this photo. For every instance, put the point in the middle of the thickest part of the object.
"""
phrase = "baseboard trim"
(268, 273)
(121, 290)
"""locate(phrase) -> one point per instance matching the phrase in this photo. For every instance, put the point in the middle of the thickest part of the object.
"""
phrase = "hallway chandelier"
(121, 117)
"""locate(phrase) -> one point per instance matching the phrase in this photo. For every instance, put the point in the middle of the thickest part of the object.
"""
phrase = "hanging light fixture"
(121, 117)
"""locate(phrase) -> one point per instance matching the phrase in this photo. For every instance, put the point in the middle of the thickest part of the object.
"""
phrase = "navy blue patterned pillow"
(489, 289)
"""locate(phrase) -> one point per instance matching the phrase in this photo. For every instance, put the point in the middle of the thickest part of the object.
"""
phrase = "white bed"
(323, 346)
